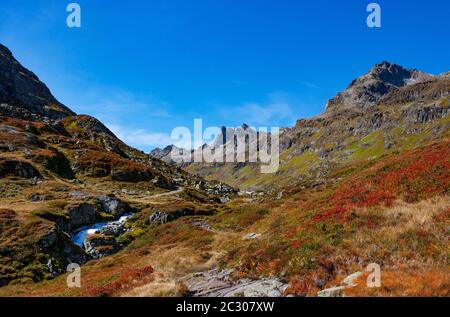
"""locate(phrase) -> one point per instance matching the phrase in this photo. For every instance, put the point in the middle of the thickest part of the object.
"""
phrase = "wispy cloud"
(309, 84)
(128, 115)
(113, 103)
(277, 110)
(140, 138)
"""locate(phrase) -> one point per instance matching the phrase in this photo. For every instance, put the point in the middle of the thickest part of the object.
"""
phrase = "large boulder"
(100, 245)
(111, 205)
(160, 217)
(81, 214)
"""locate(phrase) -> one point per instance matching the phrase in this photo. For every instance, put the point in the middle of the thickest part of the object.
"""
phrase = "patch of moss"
(445, 102)
(368, 148)
(301, 162)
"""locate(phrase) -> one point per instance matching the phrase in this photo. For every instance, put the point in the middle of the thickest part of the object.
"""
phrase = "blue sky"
(146, 67)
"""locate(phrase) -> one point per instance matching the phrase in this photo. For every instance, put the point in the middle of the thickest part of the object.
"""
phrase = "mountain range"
(366, 181)
(386, 110)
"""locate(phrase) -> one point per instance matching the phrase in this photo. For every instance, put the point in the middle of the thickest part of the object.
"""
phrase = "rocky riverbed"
(99, 239)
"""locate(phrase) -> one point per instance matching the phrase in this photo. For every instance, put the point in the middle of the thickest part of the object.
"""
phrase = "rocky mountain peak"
(392, 74)
(381, 79)
(165, 154)
(23, 95)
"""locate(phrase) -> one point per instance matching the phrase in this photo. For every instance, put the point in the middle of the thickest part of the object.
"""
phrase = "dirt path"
(177, 191)
(154, 198)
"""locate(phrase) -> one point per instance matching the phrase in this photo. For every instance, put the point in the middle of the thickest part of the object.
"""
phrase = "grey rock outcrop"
(337, 291)
(111, 205)
(215, 283)
(81, 214)
(160, 217)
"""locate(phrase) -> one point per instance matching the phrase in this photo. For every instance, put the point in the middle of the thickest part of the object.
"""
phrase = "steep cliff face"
(25, 94)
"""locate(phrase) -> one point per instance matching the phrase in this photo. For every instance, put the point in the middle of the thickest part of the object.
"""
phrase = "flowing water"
(78, 236)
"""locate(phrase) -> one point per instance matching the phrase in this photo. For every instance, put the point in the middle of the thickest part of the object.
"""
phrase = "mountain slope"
(60, 172)
(25, 94)
(364, 122)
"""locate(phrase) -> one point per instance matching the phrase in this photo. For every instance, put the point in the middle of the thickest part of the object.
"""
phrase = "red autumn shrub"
(413, 176)
(127, 278)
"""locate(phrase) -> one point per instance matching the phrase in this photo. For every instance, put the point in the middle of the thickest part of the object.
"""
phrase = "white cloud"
(140, 138)
(123, 112)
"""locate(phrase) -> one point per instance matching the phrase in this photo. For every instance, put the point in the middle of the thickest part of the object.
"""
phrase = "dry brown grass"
(405, 217)
(417, 215)
(162, 286)
(425, 282)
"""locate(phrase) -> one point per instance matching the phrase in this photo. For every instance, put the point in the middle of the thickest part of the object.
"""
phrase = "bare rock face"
(267, 287)
(23, 89)
(81, 214)
(382, 79)
(49, 239)
(160, 217)
(111, 205)
(11, 139)
(216, 283)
